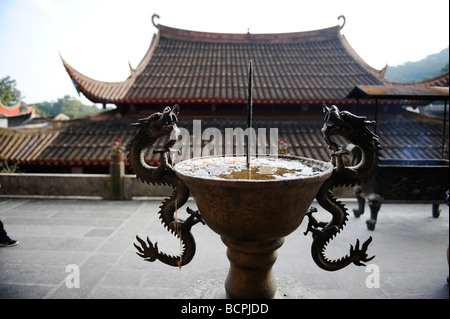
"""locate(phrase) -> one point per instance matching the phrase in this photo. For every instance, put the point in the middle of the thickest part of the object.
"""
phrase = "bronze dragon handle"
(354, 129)
(151, 129)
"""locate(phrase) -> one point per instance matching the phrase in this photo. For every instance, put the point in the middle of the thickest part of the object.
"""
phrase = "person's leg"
(3, 234)
(5, 241)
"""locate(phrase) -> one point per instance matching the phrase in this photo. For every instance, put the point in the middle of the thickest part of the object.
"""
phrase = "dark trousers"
(3, 234)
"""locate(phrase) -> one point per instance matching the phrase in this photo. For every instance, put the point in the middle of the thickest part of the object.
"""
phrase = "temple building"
(206, 74)
(294, 74)
(12, 116)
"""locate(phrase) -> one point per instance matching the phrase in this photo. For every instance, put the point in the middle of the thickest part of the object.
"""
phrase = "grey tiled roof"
(184, 66)
(88, 142)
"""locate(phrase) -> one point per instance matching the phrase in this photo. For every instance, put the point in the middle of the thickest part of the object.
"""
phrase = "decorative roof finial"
(155, 15)
(343, 18)
(131, 69)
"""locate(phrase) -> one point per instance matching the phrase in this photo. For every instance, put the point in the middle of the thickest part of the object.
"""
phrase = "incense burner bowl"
(253, 217)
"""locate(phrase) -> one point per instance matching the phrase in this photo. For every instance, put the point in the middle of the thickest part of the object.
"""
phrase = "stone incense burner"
(248, 215)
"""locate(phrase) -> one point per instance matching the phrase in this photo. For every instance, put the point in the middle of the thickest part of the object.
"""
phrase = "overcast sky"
(99, 37)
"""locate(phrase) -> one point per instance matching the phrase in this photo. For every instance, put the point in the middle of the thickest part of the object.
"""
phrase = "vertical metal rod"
(249, 112)
(445, 124)
(376, 116)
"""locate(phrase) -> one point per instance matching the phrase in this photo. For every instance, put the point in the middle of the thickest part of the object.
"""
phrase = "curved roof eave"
(379, 74)
(108, 92)
(10, 107)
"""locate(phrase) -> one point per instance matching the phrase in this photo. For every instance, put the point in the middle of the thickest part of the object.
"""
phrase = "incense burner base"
(210, 285)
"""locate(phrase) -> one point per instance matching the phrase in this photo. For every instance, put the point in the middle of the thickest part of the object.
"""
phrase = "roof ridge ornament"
(155, 15)
(132, 71)
(343, 18)
(248, 35)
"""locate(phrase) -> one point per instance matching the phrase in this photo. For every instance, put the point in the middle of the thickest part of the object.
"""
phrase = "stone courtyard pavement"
(83, 248)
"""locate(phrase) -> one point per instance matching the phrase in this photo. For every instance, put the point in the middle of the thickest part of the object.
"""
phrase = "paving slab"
(95, 238)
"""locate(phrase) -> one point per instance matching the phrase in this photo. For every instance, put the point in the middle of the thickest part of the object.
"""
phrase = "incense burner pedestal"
(250, 274)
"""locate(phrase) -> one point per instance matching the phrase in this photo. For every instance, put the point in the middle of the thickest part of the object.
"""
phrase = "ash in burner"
(235, 168)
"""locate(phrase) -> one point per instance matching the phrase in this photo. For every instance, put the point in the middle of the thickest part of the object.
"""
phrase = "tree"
(427, 68)
(9, 95)
(45, 109)
(67, 105)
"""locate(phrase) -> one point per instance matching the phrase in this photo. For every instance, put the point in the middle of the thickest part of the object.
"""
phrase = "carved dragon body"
(353, 128)
(151, 129)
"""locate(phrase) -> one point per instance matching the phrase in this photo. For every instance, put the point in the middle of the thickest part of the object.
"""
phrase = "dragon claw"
(313, 225)
(359, 256)
(366, 243)
(195, 216)
(339, 152)
(148, 252)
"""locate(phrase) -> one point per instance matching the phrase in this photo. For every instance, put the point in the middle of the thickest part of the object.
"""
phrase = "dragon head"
(346, 124)
(151, 129)
(159, 124)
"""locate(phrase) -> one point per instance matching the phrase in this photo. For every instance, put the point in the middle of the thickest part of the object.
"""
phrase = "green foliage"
(5, 168)
(9, 95)
(430, 67)
(67, 105)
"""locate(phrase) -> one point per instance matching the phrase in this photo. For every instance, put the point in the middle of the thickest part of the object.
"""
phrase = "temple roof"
(183, 66)
(400, 92)
(87, 142)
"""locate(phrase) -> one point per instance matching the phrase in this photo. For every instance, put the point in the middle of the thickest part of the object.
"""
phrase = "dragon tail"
(323, 236)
